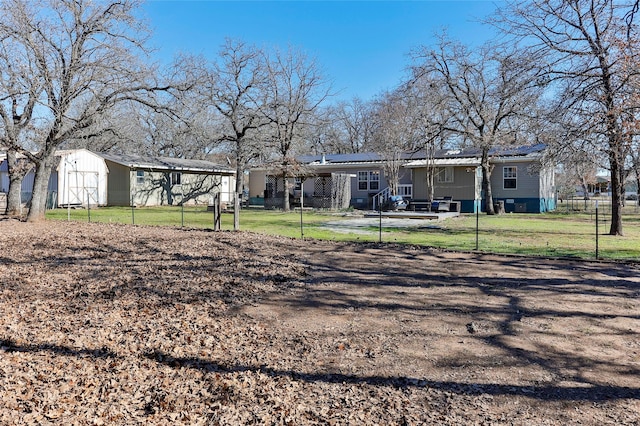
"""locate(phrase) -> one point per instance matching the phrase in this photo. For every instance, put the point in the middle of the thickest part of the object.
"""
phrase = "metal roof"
(415, 157)
(361, 157)
(166, 163)
(458, 161)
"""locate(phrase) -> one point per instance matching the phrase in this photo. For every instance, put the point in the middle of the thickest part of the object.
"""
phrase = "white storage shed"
(81, 178)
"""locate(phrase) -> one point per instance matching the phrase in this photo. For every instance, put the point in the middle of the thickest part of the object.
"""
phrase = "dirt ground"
(115, 324)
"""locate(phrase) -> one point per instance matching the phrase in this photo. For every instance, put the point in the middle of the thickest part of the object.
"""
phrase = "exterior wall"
(547, 190)
(227, 189)
(359, 198)
(257, 183)
(462, 189)
(534, 192)
(26, 189)
(527, 181)
(156, 188)
(118, 185)
(81, 176)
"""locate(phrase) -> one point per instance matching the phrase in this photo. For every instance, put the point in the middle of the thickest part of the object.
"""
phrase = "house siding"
(535, 191)
(257, 183)
(462, 188)
(118, 185)
(157, 188)
(528, 183)
(360, 199)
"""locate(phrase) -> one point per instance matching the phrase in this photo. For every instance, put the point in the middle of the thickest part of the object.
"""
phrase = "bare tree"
(18, 99)
(585, 54)
(353, 118)
(83, 59)
(488, 94)
(431, 120)
(295, 89)
(394, 133)
(234, 88)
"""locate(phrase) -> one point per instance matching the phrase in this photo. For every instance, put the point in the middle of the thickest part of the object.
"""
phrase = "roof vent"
(323, 160)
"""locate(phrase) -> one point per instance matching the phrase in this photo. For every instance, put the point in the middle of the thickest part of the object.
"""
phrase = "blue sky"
(362, 46)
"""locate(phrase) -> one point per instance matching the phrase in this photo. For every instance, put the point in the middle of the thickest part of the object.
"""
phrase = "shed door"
(83, 187)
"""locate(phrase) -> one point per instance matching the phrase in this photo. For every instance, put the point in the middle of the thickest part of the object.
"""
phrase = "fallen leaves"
(109, 324)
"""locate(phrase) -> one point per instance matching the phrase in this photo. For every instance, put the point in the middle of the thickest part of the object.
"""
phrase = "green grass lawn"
(558, 234)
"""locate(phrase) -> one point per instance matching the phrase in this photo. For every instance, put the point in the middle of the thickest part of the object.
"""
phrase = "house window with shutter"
(510, 177)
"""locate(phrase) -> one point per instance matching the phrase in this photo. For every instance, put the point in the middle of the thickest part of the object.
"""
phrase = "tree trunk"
(617, 194)
(486, 182)
(238, 197)
(40, 189)
(286, 206)
(16, 176)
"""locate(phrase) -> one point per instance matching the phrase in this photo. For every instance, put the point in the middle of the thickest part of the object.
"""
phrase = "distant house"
(82, 177)
(519, 180)
(360, 175)
(153, 181)
(27, 182)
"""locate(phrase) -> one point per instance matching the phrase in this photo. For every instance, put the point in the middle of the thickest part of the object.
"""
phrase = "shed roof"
(166, 163)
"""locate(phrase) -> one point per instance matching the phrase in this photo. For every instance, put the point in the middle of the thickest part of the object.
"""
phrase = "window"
(405, 190)
(444, 174)
(297, 184)
(510, 177)
(374, 180)
(176, 178)
(139, 177)
(363, 181)
(369, 181)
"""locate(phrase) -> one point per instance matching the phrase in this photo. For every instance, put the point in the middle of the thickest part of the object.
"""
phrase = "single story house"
(82, 177)
(519, 180)
(360, 176)
(27, 182)
(153, 181)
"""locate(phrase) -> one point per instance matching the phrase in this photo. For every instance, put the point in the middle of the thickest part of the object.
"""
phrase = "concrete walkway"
(404, 220)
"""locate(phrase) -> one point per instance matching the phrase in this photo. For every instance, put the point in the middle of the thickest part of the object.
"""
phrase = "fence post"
(217, 208)
(301, 208)
(596, 229)
(477, 204)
